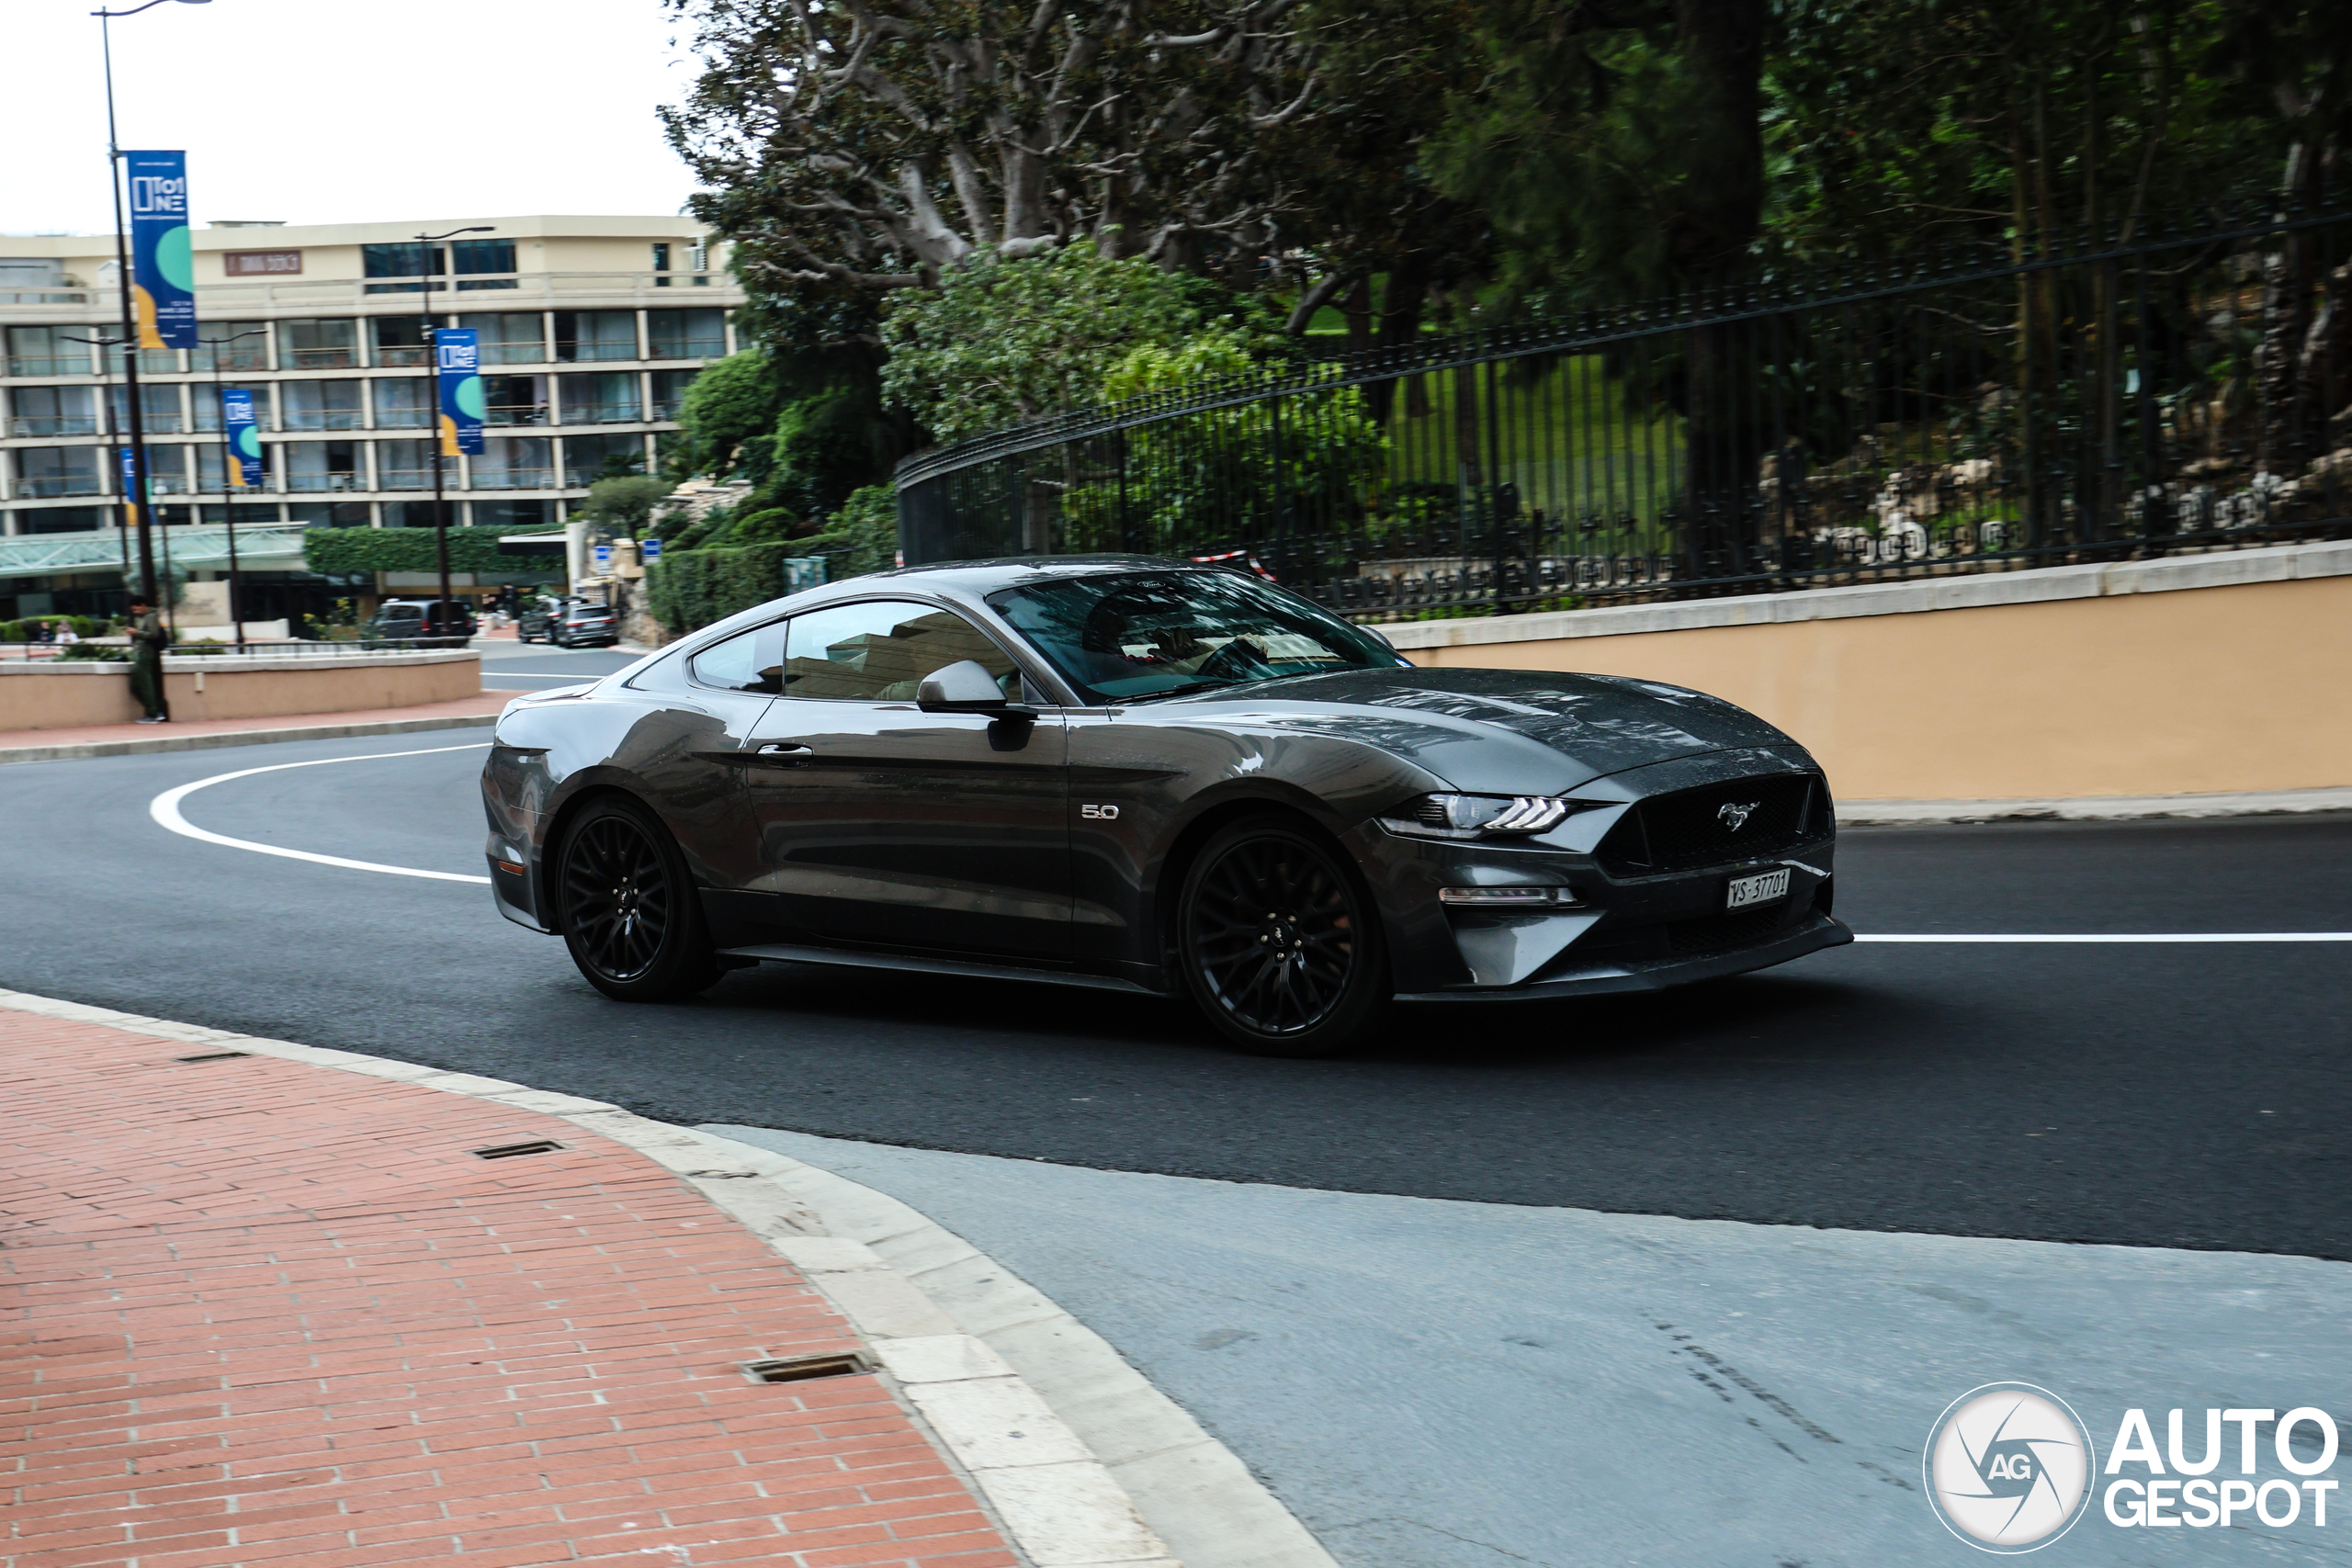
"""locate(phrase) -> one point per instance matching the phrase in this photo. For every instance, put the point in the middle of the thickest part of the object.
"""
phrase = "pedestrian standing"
(149, 637)
(66, 636)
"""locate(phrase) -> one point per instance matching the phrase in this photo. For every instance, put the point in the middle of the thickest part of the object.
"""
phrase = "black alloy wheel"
(629, 913)
(1280, 945)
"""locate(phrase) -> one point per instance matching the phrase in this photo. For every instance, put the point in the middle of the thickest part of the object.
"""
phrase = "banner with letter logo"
(163, 266)
(243, 434)
(459, 354)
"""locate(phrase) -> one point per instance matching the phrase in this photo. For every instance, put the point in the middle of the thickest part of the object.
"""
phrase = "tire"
(1279, 942)
(628, 908)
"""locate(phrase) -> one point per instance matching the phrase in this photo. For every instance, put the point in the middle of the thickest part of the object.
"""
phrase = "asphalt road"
(2190, 1095)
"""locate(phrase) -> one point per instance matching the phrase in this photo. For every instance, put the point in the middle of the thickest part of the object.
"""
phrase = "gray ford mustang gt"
(1147, 775)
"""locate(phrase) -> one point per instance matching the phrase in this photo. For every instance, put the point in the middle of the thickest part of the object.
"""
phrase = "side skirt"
(785, 953)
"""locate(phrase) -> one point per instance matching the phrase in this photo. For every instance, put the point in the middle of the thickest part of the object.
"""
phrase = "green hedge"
(353, 551)
(690, 589)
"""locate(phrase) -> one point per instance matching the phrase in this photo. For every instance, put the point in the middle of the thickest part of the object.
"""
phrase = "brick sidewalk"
(253, 1312)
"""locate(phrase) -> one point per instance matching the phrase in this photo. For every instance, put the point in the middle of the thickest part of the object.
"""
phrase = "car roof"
(983, 577)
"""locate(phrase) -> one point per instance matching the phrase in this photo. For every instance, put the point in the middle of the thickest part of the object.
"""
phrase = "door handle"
(785, 754)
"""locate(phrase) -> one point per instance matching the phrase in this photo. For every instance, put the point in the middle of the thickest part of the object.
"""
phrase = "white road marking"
(2132, 936)
(165, 810)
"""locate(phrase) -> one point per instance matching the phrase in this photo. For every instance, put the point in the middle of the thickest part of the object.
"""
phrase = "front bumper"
(1600, 975)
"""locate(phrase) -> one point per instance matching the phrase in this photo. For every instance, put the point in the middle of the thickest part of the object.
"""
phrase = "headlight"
(1481, 816)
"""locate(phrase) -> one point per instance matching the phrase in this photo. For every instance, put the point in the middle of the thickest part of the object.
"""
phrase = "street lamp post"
(227, 492)
(137, 497)
(432, 409)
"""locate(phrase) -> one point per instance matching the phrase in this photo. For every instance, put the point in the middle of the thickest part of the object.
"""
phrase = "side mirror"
(965, 686)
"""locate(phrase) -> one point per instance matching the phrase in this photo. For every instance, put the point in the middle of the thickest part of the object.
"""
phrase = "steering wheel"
(1235, 662)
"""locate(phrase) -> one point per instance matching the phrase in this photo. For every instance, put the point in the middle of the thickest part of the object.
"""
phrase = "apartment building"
(590, 329)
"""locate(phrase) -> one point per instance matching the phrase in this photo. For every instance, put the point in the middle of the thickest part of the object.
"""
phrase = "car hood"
(1506, 731)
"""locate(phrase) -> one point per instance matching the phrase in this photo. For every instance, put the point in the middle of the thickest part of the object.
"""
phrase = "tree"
(1002, 340)
(878, 145)
(624, 504)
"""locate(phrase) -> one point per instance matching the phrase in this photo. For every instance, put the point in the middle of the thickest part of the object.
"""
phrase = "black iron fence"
(2175, 389)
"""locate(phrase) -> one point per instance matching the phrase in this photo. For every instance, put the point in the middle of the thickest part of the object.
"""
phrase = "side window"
(734, 665)
(879, 652)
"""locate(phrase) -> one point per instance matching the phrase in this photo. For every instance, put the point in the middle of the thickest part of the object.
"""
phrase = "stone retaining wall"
(2193, 674)
(66, 693)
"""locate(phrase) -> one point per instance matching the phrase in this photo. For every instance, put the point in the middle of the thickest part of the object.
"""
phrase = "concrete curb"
(2091, 809)
(205, 742)
(1083, 1459)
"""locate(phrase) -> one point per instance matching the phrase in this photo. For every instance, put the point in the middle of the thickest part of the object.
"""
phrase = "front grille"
(1723, 933)
(1693, 828)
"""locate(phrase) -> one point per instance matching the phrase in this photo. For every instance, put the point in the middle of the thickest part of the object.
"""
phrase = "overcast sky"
(328, 111)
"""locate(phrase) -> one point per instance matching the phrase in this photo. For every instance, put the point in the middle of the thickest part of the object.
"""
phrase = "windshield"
(1156, 634)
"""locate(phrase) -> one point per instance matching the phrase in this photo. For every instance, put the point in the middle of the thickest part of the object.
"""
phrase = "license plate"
(1761, 888)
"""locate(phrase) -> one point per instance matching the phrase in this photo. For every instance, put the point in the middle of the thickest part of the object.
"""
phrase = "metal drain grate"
(801, 1369)
(508, 1151)
(215, 1056)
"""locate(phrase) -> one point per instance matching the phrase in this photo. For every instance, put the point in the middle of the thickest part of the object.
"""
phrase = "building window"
(407, 259)
(687, 335)
(398, 340)
(586, 336)
(318, 344)
(473, 258)
(167, 470)
(515, 400)
(415, 513)
(514, 462)
(49, 351)
(323, 405)
(206, 404)
(62, 519)
(605, 397)
(700, 259)
(227, 347)
(57, 470)
(158, 404)
(53, 410)
(408, 465)
(514, 514)
(329, 514)
(509, 337)
(324, 465)
(401, 404)
(587, 458)
(670, 392)
(662, 263)
(209, 479)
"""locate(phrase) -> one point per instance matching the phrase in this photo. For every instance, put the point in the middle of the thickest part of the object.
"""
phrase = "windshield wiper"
(1189, 687)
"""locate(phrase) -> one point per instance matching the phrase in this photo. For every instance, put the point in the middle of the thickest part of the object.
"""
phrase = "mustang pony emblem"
(1733, 816)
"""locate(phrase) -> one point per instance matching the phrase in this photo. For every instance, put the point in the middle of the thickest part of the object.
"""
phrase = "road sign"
(648, 550)
(601, 556)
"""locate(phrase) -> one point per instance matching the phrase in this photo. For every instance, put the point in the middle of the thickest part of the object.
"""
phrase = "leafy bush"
(356, 551)
(96, 650)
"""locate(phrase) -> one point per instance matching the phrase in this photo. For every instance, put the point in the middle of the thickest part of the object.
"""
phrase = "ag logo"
(1735, 816)
(2008, 1467)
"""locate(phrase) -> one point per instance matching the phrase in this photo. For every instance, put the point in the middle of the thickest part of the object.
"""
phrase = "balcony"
(45, 485)
(528, 351)
(401, 354)
(321, 358)
(398, 419)
(688, 348)
(48, 364)
(315, 483)
(55, 425)
(602, 413)
(324, 419)
(414, 479)
(514, 478)
(516, 413)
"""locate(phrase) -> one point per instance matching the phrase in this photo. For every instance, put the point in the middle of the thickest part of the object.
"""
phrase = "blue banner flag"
(461, 406)
(129, 455)
(243, 434)
(163, 267)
